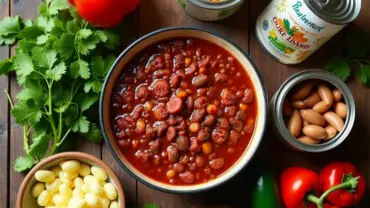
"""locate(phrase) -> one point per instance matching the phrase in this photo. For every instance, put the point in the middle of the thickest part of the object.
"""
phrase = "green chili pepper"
(265, 193)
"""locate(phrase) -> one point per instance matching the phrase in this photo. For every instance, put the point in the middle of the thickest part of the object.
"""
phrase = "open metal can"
(292, 30)
(210, 10)
(276, 106)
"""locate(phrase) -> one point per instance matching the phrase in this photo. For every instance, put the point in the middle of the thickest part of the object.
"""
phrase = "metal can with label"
(210, 10)
(292, 30)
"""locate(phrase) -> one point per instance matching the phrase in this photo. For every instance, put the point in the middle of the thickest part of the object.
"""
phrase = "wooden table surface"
(155, 14)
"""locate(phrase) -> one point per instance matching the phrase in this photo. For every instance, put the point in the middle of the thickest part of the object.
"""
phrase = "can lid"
(218, 4)
(335, 11)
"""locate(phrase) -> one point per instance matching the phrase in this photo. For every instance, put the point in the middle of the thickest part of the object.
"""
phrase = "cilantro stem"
(60, 125)
(9, 99)
(64, 137)
(26, 146)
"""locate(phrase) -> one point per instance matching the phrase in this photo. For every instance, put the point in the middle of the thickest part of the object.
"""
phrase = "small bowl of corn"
(71, 180)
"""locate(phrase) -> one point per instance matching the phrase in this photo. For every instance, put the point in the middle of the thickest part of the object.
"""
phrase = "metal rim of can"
(213, 6)
(283, 91)
(350, 7)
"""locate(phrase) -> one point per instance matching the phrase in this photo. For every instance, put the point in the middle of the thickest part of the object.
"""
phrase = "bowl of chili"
(183, 110)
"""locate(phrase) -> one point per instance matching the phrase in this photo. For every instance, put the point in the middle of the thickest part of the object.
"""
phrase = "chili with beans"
(184, 111)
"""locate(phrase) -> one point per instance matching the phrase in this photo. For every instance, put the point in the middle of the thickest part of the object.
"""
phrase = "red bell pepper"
(298, 185)
(350, 182)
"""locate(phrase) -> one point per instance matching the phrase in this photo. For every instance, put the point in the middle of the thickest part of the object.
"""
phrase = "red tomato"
(104, 13)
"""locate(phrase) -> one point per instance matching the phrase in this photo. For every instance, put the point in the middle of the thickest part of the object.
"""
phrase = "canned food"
(210, 10)
(277, 103)
(292, 30)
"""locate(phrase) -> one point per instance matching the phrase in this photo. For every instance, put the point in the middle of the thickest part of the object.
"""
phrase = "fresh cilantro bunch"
(60, 61)
(357, 48)
(151, 206)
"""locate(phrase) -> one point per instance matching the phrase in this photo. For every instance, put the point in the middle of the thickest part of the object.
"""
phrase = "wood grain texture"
(4, 118)
(25, 9)
(129, 184)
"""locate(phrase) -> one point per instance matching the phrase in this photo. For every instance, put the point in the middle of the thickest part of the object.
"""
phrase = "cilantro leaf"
(39, 146)
(88, 101)
(32, 32)
(94, 134)
(57, 72)
(32, 90)
(8, 40)
(10, 25)
(25, 45)
(45, 23)
(97, 66)
(113, 40)
(42, 39)
(81, 125)
(23, 163)
(43, 58)
(65, 46)
(5, 66)
(84, 33)
(102, 36)
(80, 68)
(26, 114)
(364, 74)
(339, 67)
(23, 66)
(27, 22)
(56, 6)
(84, 46)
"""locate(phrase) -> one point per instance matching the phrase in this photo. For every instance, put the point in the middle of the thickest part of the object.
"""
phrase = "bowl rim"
(76, 156)
(264, 99)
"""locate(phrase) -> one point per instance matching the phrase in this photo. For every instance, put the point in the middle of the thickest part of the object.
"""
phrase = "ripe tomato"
(104, 13)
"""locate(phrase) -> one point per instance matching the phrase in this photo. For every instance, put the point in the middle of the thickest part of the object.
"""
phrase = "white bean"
(44, 198)
(37, 189)
(84, 170)
(44, 176)
(99, 173)
(53, 186)
(71, 166)
(91, 199)
(110, 191)
(114, 205)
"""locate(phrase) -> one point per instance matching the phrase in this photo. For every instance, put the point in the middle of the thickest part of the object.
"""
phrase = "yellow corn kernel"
(207, 148)
(194, 127)
(187, 61)
(212, 109)
(44, 176)
(91, 199)
(181, 93)
(37, 189)
(56, 170)
(99, 173)
(44, 198)
(170, 174)
(65, 190)
(114, 205)
(53, 186)
(148, 106)
(110, 191)
(96, 188)
(71, 166)
(243, 107)
(84, 170)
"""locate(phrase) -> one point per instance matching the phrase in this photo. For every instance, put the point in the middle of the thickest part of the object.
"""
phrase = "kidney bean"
(223, 123)
(124, 143)
(248, 96)
(198, 52)
(334, 120)
(200, 80)
(150, 133)
(337, 94)
(121, 123)
(219, 135)
(171, 133)
(201, 102)
(175, 80)
(181, 73)
(312, 99)
(230, 111)
(212, 156)
(179, 43)
(140, 127)
(248, 128)
(141, 74)
(341, 109)
(178, 167)
(187, 177)
(236, 125)
(234, 137)
(241, 115)
(189, 102)
(191, 69)
(121, 134)
(182, 143)
(219, 112)
(331, 131)
(128, 96)
(199, 161)
(173, 154)
(139, 109)
(202, 91)
(315, 132)
(157, 62)
(205, 61)
(321, 107)
(191, 166)
(209, 120)
(313, 117)
(143, 156)
(174, 105)
(325, 94)
(154, 146)
(180, 123)
(160, 112)
(161, 88)
(299, 104)
(184, 159)
(128, 79)
(204, 134)
(301, 91)
(217, 163)
(227, 97)
(295, 123)
(194, 145)
(220, 78)
(160, 127)
(197, 115)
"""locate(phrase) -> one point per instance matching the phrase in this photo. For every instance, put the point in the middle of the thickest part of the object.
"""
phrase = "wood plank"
(129, 184)
(4, 118)
(155, 15)
(26, 9)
